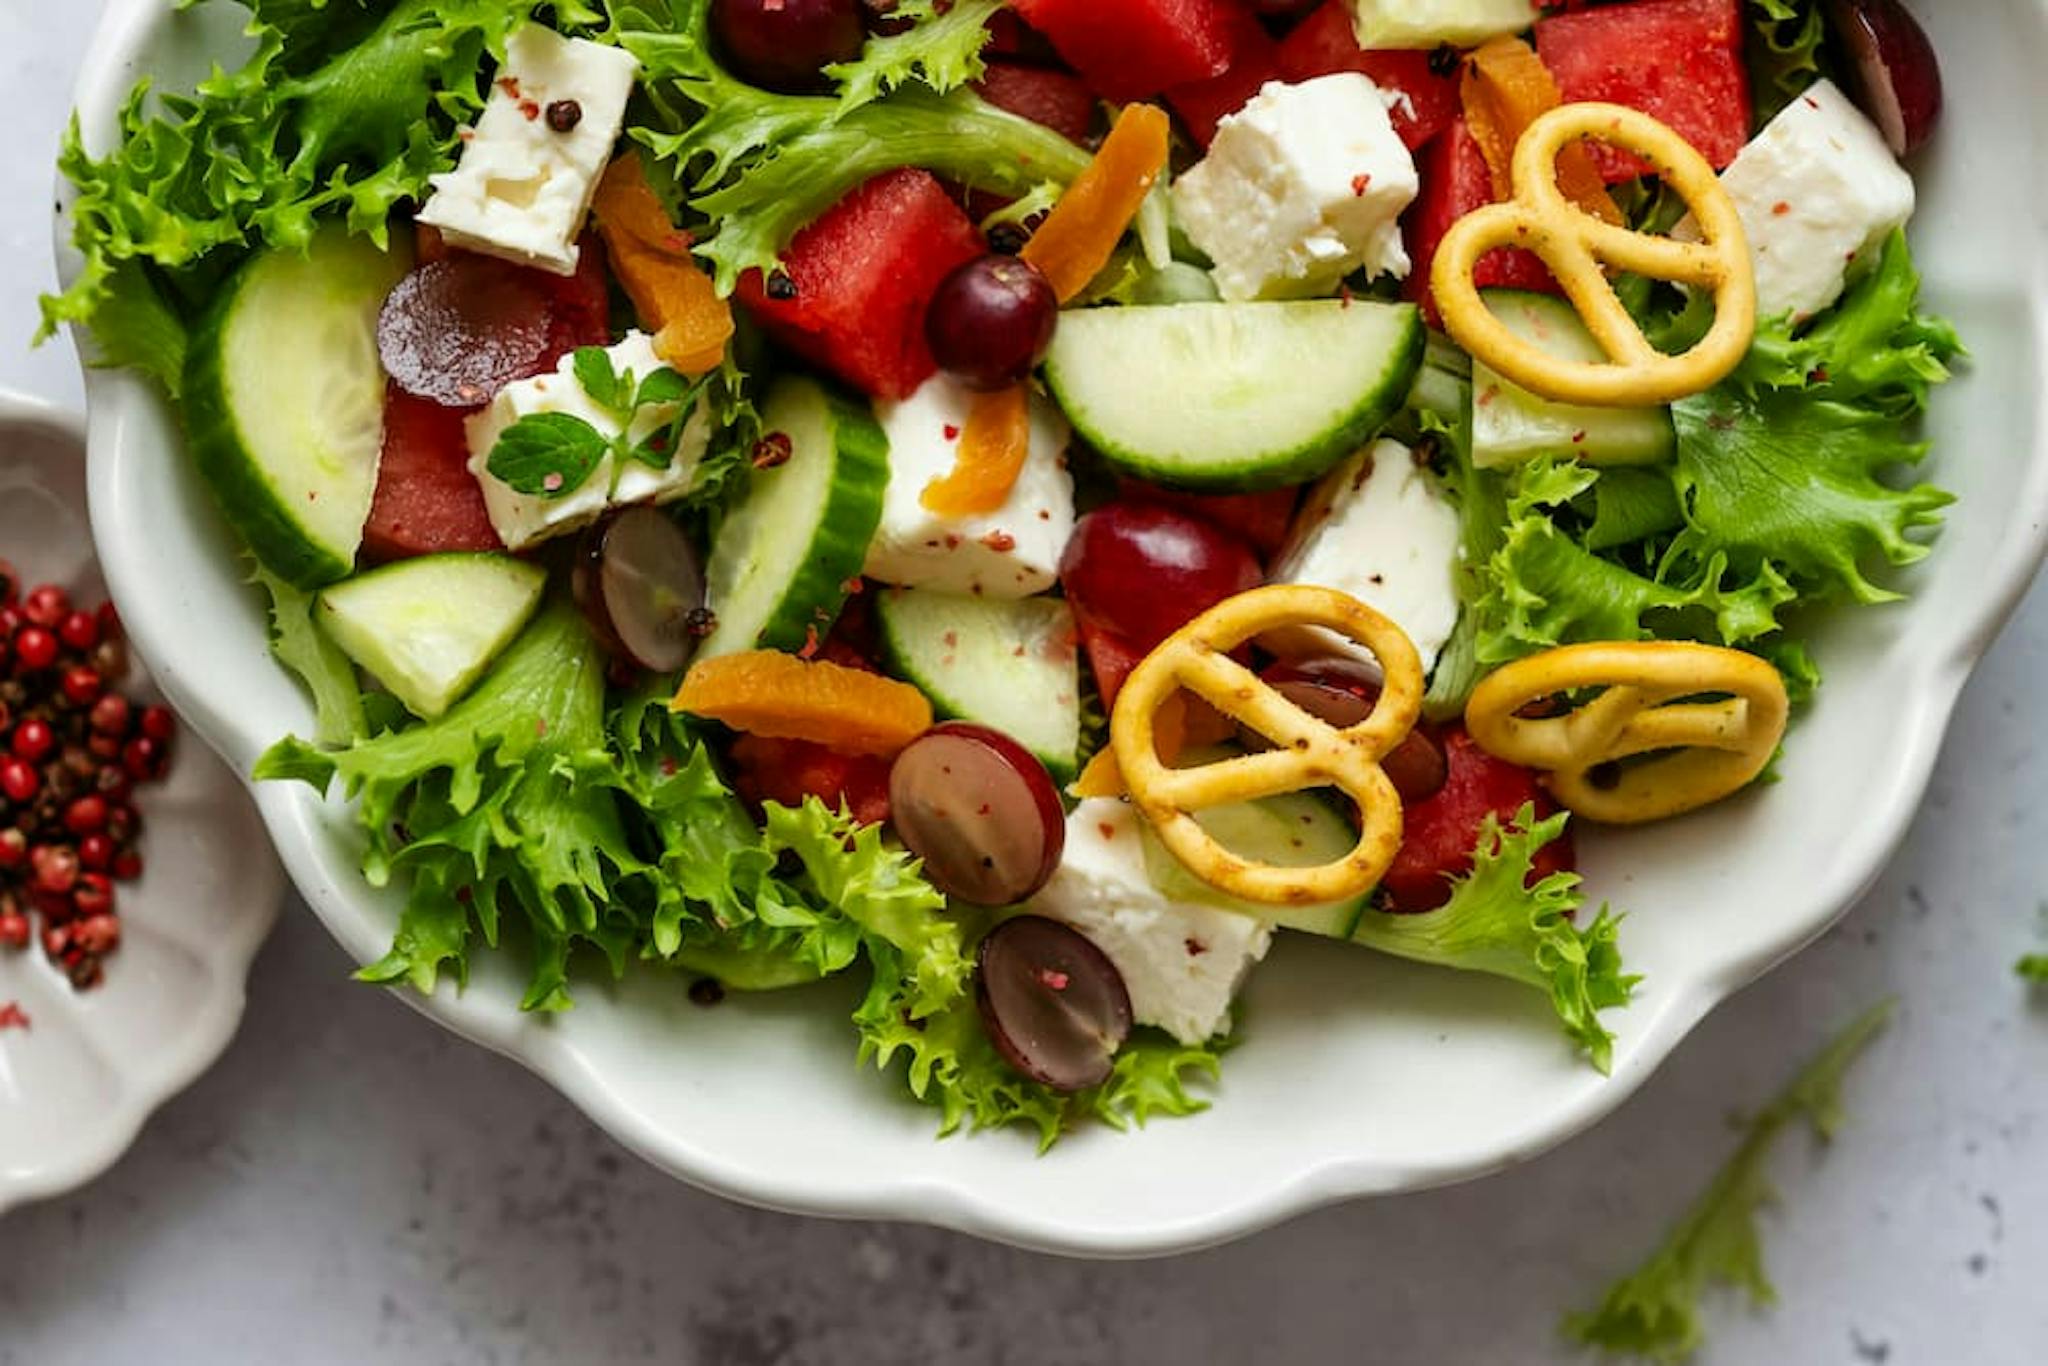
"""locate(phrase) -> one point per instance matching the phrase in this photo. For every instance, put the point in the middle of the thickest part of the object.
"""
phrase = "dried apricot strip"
(993, 448)
(1505, 88)
(651, 258)
(785, 697)
(1074, 242)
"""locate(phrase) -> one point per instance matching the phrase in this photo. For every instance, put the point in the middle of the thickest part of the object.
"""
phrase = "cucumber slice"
(428, 628)
(1292, 830)
(1511, 425)
(1010, 664)
(284, 401)
(1233, 397)
(784, 557)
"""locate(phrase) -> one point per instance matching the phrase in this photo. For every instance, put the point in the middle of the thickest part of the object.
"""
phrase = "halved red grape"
(1342, 691)
(641, 586)
(1896, 76)
(980, 810)
(785, 45)
(1145, 571)
(459, 329)
(1053, 1004)
(991, 320)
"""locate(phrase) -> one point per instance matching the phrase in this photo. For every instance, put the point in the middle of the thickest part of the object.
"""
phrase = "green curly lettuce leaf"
(344, 109)
(301, 646)
(1785, 51)
(941, 50)
(1779, 468)
(1544, 586)
(1783, 493)
(508, 798)
(1654, 1311)
(1499, 922)
(759, 166)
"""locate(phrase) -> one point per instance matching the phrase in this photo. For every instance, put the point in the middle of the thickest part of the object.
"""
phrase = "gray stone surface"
(351, 1183)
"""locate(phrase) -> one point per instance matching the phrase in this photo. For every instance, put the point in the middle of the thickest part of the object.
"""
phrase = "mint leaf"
(605, 386)
(547, 455)
(665, 386)
(1654, 1311)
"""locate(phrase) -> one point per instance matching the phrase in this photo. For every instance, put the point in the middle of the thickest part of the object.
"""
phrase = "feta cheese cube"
(1379, 528)
(1818, 192)
(522, 189)
(1432, 23)
(1301, 187)
(1012, 552)
(1182, 963)
(521, 519)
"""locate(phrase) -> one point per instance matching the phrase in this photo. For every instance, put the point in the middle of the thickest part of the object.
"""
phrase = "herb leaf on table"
(1654, 1311)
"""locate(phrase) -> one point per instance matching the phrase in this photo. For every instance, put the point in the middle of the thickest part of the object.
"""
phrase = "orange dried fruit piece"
(1184, 722)
(785, 697)
(1074, 242)
(1505, 88)
(993, 448)
(651, 258)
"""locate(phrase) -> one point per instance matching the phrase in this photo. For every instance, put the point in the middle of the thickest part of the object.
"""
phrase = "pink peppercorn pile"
(73, 750)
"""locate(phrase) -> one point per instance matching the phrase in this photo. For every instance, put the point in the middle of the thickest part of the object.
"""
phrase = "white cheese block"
(521, 519)
(1301, 187)
(1432, 23)
(1012, 552)
(521, 189)
(1181, 963)
(1818, 192)
(1379, 528)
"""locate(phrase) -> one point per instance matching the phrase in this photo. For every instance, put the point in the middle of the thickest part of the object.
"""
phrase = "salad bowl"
(1360, 1076)
(84, 1071)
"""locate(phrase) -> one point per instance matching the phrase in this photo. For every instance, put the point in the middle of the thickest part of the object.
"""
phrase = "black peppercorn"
(781, 287)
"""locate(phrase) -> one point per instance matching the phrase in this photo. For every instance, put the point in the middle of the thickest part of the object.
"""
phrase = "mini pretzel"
(1577, 246)
(1714, 748)
(1308, 752)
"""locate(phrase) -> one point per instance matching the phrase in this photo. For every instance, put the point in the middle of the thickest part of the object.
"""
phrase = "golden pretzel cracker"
(1704, 750)
(1308, 752)
(1579, 247)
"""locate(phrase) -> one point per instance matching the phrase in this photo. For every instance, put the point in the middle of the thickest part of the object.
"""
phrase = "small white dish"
(77, 1083)
(1358, 1075)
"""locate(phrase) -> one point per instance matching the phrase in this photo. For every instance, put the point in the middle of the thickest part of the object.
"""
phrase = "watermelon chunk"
(1204, 104)
(1058, 99)
(860, 279)
(1440, 832)
(427, 501)
(1455, 181)
(1679, 61)
(1134, 49)
(1324, 44)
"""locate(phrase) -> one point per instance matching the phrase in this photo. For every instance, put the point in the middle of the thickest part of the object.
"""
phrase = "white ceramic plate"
(76, 1085)
(1358, 1075)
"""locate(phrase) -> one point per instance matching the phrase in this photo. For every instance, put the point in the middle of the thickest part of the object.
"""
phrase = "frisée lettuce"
(342, 110)
(761, 165)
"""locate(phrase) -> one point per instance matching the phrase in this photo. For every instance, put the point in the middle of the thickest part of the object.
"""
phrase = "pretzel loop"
(1703, 749)
(1309, 753)
(1579, 248)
